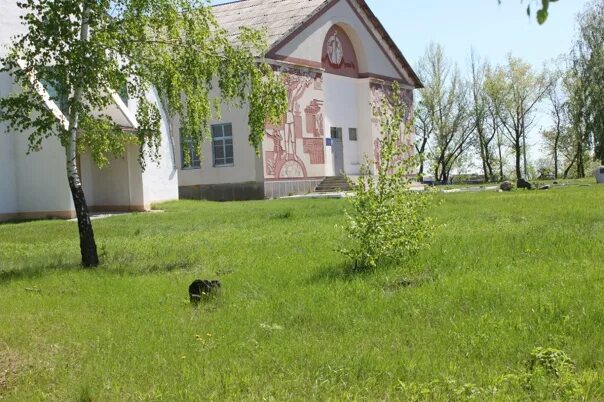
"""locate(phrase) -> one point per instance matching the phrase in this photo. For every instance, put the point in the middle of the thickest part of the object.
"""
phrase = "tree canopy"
(588, 69)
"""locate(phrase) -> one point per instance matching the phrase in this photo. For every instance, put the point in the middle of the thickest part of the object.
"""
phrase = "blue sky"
(492, 30)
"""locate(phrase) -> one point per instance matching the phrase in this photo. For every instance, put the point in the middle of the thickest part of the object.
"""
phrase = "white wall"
(247, 166)
(123, 184)
(41, 177)
(8, 186)
(108, 186)
(160, 180)
(38, 183)
(10, 24)
(308, 45)
(366, 133)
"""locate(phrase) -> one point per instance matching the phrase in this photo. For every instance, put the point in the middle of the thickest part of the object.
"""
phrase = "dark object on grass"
(555, 183)
(524, 184)
(506, 186)
(544, 188)
(202, 289)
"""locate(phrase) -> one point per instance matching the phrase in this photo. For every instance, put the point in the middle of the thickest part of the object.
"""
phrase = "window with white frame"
(352, 134)
(189, 154)
(222, 144)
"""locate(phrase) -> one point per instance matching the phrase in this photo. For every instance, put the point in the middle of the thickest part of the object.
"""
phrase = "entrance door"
(337, 150)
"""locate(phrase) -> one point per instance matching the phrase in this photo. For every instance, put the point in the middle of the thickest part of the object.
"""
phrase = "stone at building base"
(223, 192)
(282, 188)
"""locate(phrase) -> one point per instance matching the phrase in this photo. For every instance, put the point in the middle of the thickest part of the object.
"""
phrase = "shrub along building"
(336, 59)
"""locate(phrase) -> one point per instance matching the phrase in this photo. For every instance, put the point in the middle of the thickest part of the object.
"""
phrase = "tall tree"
(424, 129)
(579, 138)
(588, 68)
(89, 49)
(523, 90)
(558, 107)
(445, 99)
(480, 117)
(494, 90)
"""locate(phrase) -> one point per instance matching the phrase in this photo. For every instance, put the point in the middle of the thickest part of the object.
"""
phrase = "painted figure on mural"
(284, 161)
(335, 51)
(298, 143)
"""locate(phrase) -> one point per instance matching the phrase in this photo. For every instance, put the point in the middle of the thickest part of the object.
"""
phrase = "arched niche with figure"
(339, 56)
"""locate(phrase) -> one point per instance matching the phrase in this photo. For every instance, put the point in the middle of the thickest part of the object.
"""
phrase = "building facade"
(336, 60)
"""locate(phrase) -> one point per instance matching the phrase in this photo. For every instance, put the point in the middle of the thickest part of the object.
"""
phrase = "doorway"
(337, 150)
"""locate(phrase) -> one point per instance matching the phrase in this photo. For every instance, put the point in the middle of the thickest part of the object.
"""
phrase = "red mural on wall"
(338, 56)
(314, 118)
(284, 161)
(379, 92)
(314, 148)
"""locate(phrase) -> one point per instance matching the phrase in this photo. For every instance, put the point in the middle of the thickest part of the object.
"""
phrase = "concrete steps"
(333, 185)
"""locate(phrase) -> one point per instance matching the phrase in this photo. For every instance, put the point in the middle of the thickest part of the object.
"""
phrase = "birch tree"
(577, 142)
(484, 132)
(558, 107)
(494, 89)
(89, 49)
(424, 129)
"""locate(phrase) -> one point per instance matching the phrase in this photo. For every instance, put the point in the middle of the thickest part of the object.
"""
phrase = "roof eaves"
(275, 45)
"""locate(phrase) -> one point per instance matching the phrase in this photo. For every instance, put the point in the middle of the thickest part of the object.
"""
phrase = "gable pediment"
(307, 45)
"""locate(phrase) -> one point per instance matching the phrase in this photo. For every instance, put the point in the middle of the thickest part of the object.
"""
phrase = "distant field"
(507, 273)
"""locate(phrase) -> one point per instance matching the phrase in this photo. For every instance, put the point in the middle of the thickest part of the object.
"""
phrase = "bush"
(386, 221)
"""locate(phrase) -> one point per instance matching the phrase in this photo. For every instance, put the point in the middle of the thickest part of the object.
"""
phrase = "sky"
(490, 29)
(493, 30)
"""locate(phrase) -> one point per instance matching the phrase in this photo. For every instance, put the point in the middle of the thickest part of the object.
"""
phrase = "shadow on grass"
(36, 271)
(389, 277)
(15, 222)
(343, 272)
(45, 269)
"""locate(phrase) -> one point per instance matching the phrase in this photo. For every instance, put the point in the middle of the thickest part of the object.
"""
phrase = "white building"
(35, 185)
(336, 58)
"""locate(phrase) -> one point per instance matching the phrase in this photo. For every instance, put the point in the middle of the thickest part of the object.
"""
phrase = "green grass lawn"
(507, 272)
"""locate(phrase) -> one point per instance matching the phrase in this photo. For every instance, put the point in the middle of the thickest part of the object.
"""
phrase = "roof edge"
(317, 12)
(309, 19)
(226, 3)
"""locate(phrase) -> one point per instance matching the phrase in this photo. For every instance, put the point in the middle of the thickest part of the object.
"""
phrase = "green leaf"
(542, 16)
